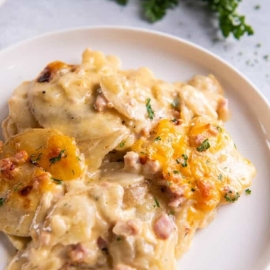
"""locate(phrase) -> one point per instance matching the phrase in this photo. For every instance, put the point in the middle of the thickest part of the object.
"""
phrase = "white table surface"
(22, 19)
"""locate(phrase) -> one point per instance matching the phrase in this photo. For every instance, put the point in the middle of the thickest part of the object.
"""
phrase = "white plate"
(239, 236)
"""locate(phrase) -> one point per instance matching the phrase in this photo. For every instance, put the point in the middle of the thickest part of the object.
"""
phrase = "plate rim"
(161, 34)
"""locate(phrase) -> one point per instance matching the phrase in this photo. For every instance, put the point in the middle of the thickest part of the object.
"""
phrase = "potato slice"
(63, 97)
(18, 242)
(33, 164)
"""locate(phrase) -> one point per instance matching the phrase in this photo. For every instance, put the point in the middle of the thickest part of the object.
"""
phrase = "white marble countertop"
(22, 19)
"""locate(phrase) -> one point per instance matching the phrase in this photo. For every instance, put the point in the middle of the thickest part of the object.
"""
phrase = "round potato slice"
(65, 97)
(33, 164)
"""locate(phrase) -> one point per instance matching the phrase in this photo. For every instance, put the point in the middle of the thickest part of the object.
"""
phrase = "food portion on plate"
(105, 168)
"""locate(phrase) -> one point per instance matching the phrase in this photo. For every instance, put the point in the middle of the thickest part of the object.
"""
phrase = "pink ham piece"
(127, 228)
(77, 254)
(164, 226)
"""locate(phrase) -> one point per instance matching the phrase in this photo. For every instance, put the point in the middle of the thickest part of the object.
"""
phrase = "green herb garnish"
(248, 191)
(229, 198)
(53, 160)
(204, 146)
(220, 177)
(122, 2)
(122, 144)
(57, 181)
(175, 103)
(2, 200)
(35, 160)
(158, 138)
(184, 164)
(156, 203)
(181, 161)
(230, 22)
(17, 187)
(219, 128)
(149, 109)
(176, 172)
(118, 238)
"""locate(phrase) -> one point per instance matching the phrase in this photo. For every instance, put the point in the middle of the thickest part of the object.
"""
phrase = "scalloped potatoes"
(156, 164)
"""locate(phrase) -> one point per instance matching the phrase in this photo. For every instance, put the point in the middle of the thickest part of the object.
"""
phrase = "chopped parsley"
(176, 172)
(220, 177)
(57, 181)
(229, 198)
(149, 109)
(248, 191)
(180, 161)
(204, 146)
(219, 128)
(78, 158)
(175, 103)
(2, 200)
(158, 138)
(185, 157)
(171, 212)
(118, 238)
(156, 203)
(122, 144)
(17, 187)
(53, 160)
(35, 160)
(168, 183)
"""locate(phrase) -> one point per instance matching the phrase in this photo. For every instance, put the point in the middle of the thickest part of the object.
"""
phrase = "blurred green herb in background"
(230, 22)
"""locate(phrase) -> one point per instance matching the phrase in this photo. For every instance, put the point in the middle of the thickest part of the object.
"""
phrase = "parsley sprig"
(230, 22)
(155, 10)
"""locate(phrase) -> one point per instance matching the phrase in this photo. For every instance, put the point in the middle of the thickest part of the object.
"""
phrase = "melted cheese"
(33, 163)
(206, 174)
(156, 165)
